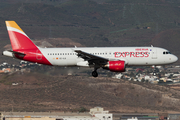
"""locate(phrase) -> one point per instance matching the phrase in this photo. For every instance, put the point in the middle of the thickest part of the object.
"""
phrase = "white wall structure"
(96, 113)
(132, 118)
(101, 114)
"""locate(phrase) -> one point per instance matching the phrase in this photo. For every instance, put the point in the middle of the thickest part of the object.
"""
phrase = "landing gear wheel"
(94, 74)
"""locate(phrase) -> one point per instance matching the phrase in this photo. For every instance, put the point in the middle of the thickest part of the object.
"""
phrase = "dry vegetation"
(39, 92)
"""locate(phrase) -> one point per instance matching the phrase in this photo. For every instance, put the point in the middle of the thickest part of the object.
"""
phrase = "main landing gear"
(94, 73)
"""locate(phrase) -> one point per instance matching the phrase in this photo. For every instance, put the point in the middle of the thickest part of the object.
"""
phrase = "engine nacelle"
(115, 66)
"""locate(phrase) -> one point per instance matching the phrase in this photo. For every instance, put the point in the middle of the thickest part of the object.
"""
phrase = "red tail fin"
(19, 40)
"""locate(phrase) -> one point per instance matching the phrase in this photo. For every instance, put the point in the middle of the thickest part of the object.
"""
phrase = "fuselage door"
(38, 55)
(154, 53)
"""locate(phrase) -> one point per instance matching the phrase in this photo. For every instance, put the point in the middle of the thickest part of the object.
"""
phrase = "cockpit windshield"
(166, 52)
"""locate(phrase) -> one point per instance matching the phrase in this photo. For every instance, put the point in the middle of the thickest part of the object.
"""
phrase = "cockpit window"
(166, 52)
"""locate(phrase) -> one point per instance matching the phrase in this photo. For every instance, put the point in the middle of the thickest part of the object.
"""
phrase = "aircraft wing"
(91, 58)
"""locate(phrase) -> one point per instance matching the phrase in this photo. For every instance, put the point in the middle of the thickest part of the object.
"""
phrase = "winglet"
(19, 39)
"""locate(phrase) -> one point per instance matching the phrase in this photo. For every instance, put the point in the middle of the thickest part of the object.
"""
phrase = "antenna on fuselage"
(151, 45)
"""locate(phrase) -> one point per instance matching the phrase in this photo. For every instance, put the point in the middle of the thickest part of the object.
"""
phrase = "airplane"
(115, 59)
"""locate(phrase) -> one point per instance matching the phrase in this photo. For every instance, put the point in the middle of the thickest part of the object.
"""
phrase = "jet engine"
(115, 66)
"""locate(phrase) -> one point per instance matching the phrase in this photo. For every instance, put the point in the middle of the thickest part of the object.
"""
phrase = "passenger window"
(164, 52)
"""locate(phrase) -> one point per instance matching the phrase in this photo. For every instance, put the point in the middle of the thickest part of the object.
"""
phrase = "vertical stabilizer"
(19, 39)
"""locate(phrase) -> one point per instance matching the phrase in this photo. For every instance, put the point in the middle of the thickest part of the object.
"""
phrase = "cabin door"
(38, 55)
(154, 53)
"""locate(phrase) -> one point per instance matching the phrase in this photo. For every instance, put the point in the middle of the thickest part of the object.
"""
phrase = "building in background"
(96, 113)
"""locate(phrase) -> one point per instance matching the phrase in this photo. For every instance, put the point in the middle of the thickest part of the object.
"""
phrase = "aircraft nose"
(175, 58)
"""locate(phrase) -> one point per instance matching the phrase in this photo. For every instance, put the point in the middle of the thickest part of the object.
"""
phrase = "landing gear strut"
(94, 73)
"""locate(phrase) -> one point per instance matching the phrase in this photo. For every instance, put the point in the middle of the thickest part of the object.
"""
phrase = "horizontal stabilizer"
(11, 53)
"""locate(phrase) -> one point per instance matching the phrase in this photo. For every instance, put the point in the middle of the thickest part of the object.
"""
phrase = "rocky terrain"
(40, 92)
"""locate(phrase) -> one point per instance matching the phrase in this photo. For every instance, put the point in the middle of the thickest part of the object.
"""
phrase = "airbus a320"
(115, 59)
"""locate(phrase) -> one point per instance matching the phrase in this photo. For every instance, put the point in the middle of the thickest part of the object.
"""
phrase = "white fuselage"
(131, 55)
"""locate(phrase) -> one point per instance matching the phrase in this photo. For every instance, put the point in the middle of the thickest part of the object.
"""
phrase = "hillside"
(69, 23)
(95, 22)
(40, 92)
